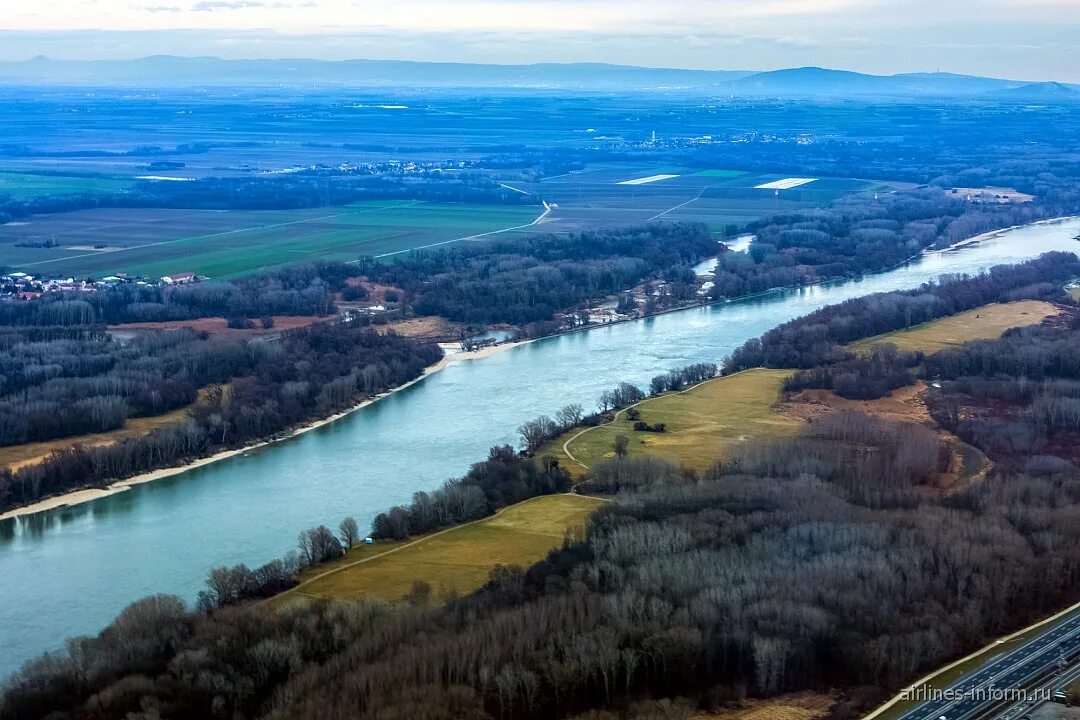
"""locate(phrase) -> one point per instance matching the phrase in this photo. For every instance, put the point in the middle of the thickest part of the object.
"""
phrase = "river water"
(69, 571)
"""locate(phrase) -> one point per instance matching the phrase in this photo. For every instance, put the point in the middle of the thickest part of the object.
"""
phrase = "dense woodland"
(687, 591)
(503, 479)
(271, 387)
(81, 381)
(860, 376)
(1017, 398)
(527, 280)
(302, 289)
(856, 235)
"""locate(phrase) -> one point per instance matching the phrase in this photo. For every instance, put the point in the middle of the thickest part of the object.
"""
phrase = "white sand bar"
(785, 184)
(646, 180)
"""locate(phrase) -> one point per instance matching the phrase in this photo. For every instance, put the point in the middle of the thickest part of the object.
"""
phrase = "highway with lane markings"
(1008, 681)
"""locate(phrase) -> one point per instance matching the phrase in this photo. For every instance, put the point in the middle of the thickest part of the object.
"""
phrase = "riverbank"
(78, 497)
(991, 235)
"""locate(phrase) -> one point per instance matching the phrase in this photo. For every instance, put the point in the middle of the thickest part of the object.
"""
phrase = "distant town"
(23, 286)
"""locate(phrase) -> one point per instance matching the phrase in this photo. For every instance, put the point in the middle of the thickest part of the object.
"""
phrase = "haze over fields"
(1003, 38)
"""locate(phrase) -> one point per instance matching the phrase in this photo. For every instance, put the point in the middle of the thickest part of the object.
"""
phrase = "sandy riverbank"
(998, 233)
(78, 497)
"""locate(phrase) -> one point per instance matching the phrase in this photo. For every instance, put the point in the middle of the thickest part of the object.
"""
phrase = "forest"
(1017, 398)
(253, 389)
(857, 235)
(527, 280)
(689, 591)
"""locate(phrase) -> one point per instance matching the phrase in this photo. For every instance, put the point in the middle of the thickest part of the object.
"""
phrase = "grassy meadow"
(702, 423)
(458, 559)
(982, 323)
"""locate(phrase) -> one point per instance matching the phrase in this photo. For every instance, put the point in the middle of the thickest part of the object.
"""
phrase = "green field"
(982, 323)
(720, 173)
(224, 244)
(23, 185)
(459, 559)
(718, 197)
(702, 423)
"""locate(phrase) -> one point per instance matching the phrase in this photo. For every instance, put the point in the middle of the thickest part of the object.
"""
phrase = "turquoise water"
(70, 571)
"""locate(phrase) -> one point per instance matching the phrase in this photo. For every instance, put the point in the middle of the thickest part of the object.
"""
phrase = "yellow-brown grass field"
(794, 706)
(458, 559)
(701, 422)
(982, 323)
(14, 457)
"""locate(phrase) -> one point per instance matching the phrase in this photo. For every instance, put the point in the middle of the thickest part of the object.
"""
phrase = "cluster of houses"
(23, 286)
(399, 167)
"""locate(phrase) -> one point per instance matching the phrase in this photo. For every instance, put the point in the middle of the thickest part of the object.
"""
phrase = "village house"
(178, 278)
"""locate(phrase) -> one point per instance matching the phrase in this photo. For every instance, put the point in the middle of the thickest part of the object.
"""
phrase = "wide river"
(69, 571)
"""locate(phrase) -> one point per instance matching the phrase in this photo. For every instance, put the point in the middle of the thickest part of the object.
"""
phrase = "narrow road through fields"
(537, 221)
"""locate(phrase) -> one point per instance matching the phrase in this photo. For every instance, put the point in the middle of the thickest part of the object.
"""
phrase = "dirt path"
(566, 445)
(422, 539)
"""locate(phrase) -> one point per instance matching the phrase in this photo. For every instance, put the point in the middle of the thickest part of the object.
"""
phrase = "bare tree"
(350, 532)
(570, 416)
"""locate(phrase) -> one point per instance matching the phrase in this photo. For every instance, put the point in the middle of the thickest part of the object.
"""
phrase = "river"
(69, 571)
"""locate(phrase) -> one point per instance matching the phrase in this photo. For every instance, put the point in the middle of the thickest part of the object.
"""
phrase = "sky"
(1020, 39)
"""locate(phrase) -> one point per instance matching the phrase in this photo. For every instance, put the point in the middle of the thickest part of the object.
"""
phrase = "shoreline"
(79, 497)
(993, 234)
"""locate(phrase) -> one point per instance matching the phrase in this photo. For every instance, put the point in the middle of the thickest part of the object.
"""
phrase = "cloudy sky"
(1024, 39)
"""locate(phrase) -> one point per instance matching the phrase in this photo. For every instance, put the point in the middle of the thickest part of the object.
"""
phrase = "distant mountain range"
(172, 71)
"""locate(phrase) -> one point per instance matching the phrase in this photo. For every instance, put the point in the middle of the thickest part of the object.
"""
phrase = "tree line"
(812, 340)
(303, 289)
(857, 235)
(1016, 398)
(272, 386)
(528, 280)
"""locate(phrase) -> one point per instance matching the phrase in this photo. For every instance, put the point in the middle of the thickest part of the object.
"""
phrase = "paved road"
(1029, 666)
(1024, 706)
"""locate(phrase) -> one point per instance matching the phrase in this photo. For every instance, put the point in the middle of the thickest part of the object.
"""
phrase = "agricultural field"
(619, 193)
(702, 423)
(983, 323)
(225, 244)
(458, 559)
(26, 184)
